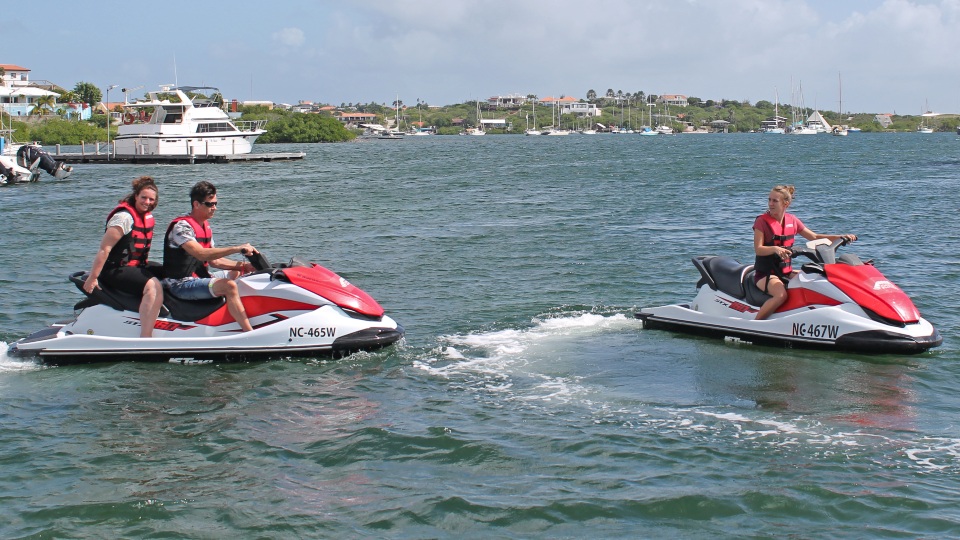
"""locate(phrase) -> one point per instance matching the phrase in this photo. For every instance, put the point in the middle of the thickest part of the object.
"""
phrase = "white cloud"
(894, 55)
(289, 37)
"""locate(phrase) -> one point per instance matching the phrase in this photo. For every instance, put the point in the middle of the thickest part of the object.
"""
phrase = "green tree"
(87, 93)
(42, 105)
(285, 126)
(59, 131)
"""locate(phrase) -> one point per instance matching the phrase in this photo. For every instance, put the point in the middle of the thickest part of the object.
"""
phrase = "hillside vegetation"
(285, 126)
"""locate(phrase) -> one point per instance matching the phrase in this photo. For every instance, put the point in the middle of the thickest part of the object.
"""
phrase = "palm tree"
(43, 104)
(591, 95)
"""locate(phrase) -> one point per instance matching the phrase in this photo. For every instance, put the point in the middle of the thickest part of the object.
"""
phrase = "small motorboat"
(30, 160)
(834, 302)
(296, 309)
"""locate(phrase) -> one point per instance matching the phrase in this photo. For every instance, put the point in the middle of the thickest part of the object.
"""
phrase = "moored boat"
(183, 121)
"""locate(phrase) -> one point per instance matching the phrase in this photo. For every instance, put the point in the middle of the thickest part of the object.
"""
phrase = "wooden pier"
(178, 160)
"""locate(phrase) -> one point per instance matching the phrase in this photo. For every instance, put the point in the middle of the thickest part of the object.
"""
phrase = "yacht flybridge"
(183, 121)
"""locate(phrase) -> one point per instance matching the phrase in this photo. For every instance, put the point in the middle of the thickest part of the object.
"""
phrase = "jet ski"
(833, 302)
(296, 309)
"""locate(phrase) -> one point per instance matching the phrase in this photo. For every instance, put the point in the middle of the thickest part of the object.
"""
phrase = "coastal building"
(496, 123)
(303, 107)
(511, 101)
(572, 105)
(720, 126)
(19, 97)
(773, 123)
(675, 100)
(253, 103)
(14, 75)
(884, 119)
(354, 117)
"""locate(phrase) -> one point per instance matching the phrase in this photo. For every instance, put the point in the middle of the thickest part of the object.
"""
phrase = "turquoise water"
(525, 400)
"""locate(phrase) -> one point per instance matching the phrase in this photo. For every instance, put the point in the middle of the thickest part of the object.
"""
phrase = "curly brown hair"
(140, 184)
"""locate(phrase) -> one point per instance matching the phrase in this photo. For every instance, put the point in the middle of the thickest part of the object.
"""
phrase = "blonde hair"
(786, 191)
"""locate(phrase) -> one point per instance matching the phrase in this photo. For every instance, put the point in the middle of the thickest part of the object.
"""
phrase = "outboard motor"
(8, 176)
(31, 156)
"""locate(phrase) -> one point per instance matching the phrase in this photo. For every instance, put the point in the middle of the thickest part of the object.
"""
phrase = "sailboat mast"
(840, 87)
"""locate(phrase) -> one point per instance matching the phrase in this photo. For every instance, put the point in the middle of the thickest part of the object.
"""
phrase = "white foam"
(8, 363)
(494, 360)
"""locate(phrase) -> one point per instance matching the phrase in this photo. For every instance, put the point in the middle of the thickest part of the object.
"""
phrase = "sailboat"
(555, 117)
(533, 131)
(773, 126)
(479, 129)
(923, 127)
(645, 129)
(420, 130)
(798, 126)
(838, 129)
(393, 133)
(662, 128)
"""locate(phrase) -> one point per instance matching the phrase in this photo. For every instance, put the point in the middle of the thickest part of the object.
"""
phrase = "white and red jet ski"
(296, 309)
(833, 302)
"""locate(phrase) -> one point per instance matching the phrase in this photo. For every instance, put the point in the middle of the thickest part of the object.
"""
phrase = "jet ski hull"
(57, 345)
(841, 334)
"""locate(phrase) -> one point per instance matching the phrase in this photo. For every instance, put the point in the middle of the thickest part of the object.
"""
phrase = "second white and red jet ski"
(833, 302)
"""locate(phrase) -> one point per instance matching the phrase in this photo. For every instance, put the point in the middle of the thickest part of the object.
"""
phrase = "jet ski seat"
(730, 276)
(183, 310)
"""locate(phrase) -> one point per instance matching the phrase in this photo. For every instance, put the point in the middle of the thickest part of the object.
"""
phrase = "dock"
(102, 157)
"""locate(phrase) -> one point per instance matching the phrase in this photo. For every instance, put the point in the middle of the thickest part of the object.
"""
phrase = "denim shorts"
(190, 288)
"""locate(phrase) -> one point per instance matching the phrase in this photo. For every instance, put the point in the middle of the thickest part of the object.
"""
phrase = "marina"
(178, 159)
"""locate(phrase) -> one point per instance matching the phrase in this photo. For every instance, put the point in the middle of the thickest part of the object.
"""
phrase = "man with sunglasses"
(189, 251)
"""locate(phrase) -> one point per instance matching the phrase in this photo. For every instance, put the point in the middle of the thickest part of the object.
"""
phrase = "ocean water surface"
(525, 400)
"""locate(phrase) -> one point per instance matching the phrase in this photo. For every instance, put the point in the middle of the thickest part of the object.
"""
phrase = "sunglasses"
(209, 204)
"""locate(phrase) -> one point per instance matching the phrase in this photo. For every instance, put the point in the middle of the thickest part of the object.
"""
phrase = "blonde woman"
(773, 233)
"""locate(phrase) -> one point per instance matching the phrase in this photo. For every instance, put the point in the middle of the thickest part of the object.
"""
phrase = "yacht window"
(211, 127)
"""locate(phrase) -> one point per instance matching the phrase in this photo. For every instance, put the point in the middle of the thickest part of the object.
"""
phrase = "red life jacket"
(177, 263)
(134, 247)
(783, 235)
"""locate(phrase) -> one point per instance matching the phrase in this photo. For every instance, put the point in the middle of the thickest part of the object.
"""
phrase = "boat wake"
(533, 363)
(542, 366)
(8, 363)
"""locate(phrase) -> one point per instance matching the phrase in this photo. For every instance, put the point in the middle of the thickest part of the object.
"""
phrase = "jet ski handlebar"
(819, 251)
(257, 259)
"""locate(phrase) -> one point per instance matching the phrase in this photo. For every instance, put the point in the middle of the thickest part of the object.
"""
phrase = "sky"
(893, 56)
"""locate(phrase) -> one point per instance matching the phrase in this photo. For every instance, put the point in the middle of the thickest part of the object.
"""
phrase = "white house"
(580, 109)
(508, 101)
(17, 96)
(14, 75)
(676, 100)
(571, 105)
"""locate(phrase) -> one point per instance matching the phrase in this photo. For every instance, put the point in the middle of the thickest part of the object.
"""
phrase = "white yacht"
(183, 121)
